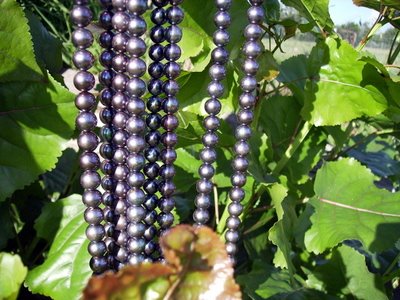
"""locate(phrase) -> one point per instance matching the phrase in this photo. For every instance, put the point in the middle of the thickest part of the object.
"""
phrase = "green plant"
(321, 216)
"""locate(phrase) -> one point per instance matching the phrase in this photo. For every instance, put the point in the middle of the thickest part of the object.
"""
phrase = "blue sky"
(343, 11)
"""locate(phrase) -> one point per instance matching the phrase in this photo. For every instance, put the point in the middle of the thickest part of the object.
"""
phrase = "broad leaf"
(193, 270)
(317, 12)
(66, 270)
(346, 274)
(12, 275)
(349, 206)
(39, 117)
(337, 93)
(17, 59)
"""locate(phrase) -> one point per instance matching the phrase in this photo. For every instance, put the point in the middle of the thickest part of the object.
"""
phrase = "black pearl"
(89, 161)
(153, 138)
(172, 52)
(105, 39)
(84, 81)
(97, 248)
(136, 87)
(157, 34)
(158, 16)
(91, 198)
(81, 15)
(175, 15)
(222, 19)
(213, 106)
(223, 4)
(156, 52)
(120, 21)
(105, 20)
(106, 58)
(173, 34)
(255, 14)
(88, 141)
(85, 101)
(98, 264)
(137, 6)
(201, 216)
(86, 121)
(82, 38)
(154, 104)
(83, 59)
(136, 67)
(137, 26)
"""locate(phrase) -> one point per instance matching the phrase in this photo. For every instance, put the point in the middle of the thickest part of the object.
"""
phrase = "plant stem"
(379, 22)
(292, 148)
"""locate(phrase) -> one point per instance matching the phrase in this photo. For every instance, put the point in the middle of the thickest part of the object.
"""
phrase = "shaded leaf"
(39, 117)
(349, 206)
(346, 274)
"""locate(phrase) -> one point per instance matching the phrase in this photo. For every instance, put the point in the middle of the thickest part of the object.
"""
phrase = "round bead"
(83, 59)
(222, 19)
(233, 223)
(167, 171)
(89, 161)
(135, 125)
(120, 155)
(136, 197)
(118, 4)
(250, 66)
(243, 132)
(119, 62)
(156, 70)
(106, 58)
(137, 26)
(93, 215)
(136, 106)
(156, 52)
(120, 21)
(173, 34)
(240, 164)
(105, 39)
(231, 248)
(158, 16)
(235, 209)
(175, 15)
(135, 161)
(206, 171)
(252, 49)
(136, 143)
(167, 188)
(245, 116)
(153, 138)
(82, 38)
(81, 15)
(236, 194)
(253, 31)
(238, 179)
(98, 264)
(136, 229)
(107, 150)
(170, 105)
(136, 179)
(255, 14)
(150, 186)
(120, 119)
(119, 101)
(208, 155)
(84, 81)
(213, 106)
(172, 70)
(217, 72)
(121, 188)
(210, 139)
(97, 248)
(203, 201)
(91, 198)
(223, 4)
(106, 77)
(232, 236)
(242, 148)
(136, 259)
(220, 55)
(201, 216)
(85, 101)
(121, 172)
(170, 122)
(136, 87)
(165, 220)
(136, 245)
(152, 154)
(120, 42)
(136, 46)
(247, 100)
(168, 156)
(204, 186)
(150, 218)
(88, 141)
(172, 52)
(137, 6)
(135, 213)
(151, 170)
(136, 67)
(157, 34)
(166, 204)
(86, 121)
(151, 202)
(221, 37)
(95, 232)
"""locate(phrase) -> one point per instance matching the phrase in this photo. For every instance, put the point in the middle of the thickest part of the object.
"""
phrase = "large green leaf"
(337, 93)
(36, 110)
(12, 275)
(193, 270)
(346, 274)
(65, 271)
(348, 206)
(17, 59)
(317, 12)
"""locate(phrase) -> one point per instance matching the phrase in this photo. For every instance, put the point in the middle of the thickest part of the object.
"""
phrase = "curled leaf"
(197, 267)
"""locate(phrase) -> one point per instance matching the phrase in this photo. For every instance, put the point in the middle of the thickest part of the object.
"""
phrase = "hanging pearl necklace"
(86, 122)
(251, 50)
(131, 138)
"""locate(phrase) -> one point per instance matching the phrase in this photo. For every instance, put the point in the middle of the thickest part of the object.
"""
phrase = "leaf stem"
(292, 148)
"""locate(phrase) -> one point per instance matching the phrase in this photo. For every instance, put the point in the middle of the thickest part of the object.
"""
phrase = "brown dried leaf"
(205, 271)
(128, 283)
(197, 267)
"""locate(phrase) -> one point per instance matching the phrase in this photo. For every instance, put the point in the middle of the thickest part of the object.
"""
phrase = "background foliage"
(321, 218)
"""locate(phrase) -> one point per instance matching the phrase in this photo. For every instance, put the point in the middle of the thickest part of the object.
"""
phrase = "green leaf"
(6, 224)
(12, 275)
(193, 270)
(346, 274)
(354, 92)
(47, 47)
(317, 12)
(266, 282)
(281, 232)
(348, 206)
(17, 59)
(39, 117)
(66, 270)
